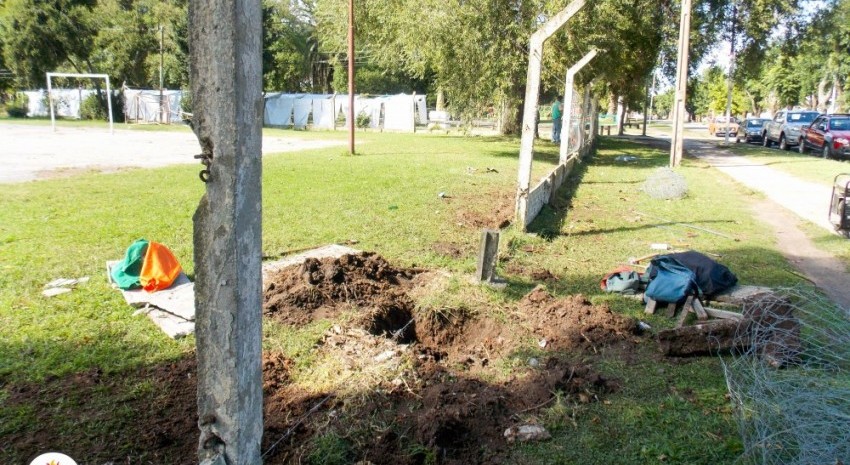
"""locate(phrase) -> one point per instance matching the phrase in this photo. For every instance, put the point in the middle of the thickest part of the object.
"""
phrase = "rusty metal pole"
(351, 77)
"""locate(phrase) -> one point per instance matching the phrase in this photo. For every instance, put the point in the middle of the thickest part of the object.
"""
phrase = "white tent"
(67, 102)
(143, 106)
(392, 112)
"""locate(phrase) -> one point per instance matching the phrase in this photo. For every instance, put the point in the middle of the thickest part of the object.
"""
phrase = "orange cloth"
(160, 268)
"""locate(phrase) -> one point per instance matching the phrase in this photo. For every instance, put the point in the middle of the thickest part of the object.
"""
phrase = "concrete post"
(532, 96)
(486, 267)
(569, 84)
(676, 141)
(594, 118)
(226, 75)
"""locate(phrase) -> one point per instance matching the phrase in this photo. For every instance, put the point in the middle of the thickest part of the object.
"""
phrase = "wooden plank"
(683, 315)
(699, 310)
(671, 310)
(737, 295)
(724, 314)
(650, 306)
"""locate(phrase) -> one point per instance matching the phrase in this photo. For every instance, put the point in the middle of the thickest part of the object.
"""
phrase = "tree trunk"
(822, 96)
(753, 106)
(840, 104)
(772, 102)
(621, 116)
(441, 99)
(512, 111)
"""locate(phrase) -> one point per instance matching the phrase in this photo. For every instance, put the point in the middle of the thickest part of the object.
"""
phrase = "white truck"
(785, 127)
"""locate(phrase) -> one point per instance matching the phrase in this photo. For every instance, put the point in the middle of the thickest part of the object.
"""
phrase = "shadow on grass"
(662, 225)
(550, 220)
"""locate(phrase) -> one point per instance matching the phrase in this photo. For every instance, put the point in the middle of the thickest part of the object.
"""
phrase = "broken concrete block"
(527, 433)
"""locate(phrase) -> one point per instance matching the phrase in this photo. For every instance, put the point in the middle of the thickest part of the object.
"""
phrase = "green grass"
(810, 166)
(386, 198)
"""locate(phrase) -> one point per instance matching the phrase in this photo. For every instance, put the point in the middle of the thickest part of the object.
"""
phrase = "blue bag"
(670, 281)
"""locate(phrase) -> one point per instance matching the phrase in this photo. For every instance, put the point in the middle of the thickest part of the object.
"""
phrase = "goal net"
(54, 99)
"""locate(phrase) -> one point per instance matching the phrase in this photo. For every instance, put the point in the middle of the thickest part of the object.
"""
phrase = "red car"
(829, 135)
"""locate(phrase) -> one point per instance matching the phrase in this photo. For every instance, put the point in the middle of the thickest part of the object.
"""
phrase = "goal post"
(50, 76)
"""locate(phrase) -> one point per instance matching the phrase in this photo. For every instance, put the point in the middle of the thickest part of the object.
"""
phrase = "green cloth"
(556, 110)
(126, 272)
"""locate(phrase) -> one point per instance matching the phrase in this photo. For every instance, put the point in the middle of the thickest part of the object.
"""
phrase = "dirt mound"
(321, 288)
(573, 322)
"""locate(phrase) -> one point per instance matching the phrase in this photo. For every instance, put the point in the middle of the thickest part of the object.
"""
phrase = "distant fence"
(66, 102)
(399, 113)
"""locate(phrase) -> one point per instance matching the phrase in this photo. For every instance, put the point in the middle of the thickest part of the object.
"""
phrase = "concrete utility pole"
(351, 119)
(532, 98)
(161, 62)
(676, 142)
(731, 71)
(226, 75)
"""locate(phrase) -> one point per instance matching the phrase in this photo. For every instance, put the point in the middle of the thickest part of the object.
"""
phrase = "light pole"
(161, 59)
(731, 70)
(351, 77)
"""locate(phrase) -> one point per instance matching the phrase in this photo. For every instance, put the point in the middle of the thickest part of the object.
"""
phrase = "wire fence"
(790, 385)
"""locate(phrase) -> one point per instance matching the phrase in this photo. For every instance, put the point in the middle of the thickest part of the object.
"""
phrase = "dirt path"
(828, 273)
(36, 152)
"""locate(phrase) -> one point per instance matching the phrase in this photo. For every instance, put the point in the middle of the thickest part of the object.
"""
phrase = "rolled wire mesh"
(790, 381)
(665, 184)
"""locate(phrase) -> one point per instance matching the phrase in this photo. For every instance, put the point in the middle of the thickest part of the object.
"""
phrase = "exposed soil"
(542, 275)
(324, 288)
(498, 216)
(574, 323)
(449, 249)
(425, 402)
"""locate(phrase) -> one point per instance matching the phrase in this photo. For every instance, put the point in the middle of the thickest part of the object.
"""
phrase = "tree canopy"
(475, 52)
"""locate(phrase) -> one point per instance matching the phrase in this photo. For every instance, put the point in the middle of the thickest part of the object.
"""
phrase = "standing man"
(557, 120)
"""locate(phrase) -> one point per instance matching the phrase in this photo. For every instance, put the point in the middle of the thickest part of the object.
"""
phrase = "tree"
(476, 50)
(45, 36)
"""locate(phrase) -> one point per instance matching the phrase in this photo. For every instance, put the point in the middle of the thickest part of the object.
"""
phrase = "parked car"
(828, 135)
(717, 126)
(750, 130)
(785, 127)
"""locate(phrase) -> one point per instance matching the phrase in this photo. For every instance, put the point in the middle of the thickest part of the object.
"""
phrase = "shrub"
(186, 101)
(363, 120)
(18, 106)
(92, 109)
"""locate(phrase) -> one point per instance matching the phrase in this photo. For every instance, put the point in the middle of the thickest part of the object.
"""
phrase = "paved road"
(29, 152)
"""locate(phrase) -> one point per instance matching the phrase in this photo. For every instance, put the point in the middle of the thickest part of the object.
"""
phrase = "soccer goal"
(50, 77)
